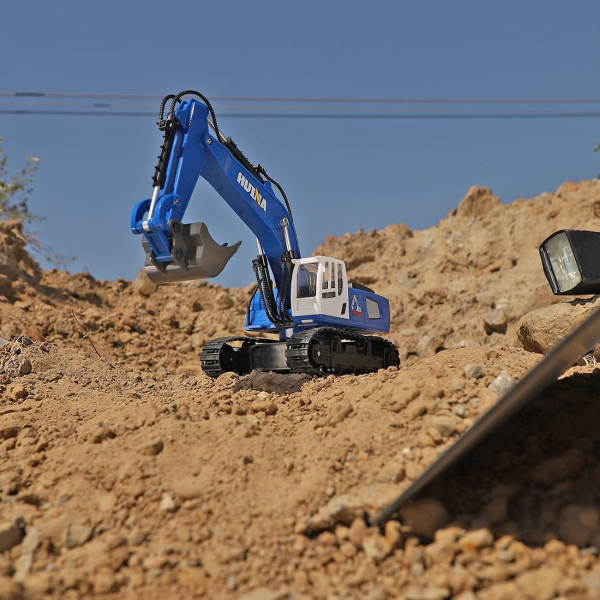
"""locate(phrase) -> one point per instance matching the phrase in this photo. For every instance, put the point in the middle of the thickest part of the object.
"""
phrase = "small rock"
(377, 547)
(326, 539)
(393, 533)
(343, 509)
(475, 540)
(16, 391)
(11, 534)
(17, 366)
(24, 563)
(232, 583)
(502, 384)
(77, 535)
(341, 414)
(143, 284)
(576, 524)
(152, 448)
(495, 321)
(474, 371)
(9, 430)
(105, 583)
(137, 537)
(358, 532)
(101, 434)
(167, 503)
(424, 517)
(445, 424)
(540, 584)
(264, 405)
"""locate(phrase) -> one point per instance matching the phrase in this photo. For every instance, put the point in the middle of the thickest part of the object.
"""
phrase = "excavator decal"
(252, 191)
(355, 307)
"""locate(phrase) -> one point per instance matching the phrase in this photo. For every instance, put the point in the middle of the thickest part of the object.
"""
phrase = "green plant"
(14, 205)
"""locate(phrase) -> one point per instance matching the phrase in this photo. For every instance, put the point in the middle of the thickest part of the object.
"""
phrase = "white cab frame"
(328, 271)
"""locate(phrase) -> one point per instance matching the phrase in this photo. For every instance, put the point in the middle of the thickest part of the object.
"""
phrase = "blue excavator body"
(294, 296)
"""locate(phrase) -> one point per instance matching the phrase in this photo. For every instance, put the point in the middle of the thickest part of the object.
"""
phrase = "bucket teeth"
(195, 255)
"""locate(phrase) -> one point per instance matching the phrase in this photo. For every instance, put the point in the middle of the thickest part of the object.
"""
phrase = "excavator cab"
(319, 286)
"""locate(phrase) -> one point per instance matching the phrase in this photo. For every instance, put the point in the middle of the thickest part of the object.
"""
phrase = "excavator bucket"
(195, 255)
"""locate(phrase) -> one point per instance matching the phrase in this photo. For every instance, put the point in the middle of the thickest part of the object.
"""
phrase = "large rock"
(540, 330)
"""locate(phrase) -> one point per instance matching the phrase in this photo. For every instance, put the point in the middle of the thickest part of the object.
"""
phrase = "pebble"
(502, 384)
(446, 425)
(425, 517)
(264, 405)
(16, 391)
(143, 284)
(137, 537)
(167, 504)
(377, 547)
(475, 540)
(11, 534)
(341, 414)
(540, 584)
(76, 534)
(474, 371)
(152, 448)
(101, 434)
(393, 533)
(358, 532)
(577, 524)
(341, 509)
(495, 321)
(17, 366)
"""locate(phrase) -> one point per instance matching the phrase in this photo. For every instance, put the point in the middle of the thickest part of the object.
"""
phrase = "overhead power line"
(310, 99)
(316, 115)
(271, 107)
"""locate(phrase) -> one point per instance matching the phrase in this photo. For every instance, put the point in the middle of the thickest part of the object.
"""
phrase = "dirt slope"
(137, 477)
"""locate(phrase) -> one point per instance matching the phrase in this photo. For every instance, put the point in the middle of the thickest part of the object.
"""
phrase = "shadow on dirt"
(538, 476)
(272, 382)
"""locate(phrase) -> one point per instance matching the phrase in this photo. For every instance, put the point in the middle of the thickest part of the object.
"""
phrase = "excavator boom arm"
(191, 151)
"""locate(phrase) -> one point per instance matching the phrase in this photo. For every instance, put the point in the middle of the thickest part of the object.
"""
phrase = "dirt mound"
(465, 282)
(134, 475)
(468, 280)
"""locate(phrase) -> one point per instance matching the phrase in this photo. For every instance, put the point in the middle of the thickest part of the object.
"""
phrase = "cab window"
(307, 280)
(373, 309)
(326, 275)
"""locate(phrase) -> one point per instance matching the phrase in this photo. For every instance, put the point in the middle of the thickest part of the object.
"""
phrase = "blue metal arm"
(197, 153)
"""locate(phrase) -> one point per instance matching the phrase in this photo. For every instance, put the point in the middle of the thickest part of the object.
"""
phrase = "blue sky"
(339, 175)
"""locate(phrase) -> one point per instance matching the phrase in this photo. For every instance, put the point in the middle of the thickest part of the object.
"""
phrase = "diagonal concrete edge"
(567, 352)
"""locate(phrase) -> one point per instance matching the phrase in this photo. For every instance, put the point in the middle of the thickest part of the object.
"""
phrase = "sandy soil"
(135, 476)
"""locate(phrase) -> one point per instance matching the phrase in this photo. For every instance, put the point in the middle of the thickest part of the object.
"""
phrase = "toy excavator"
(320, 317)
